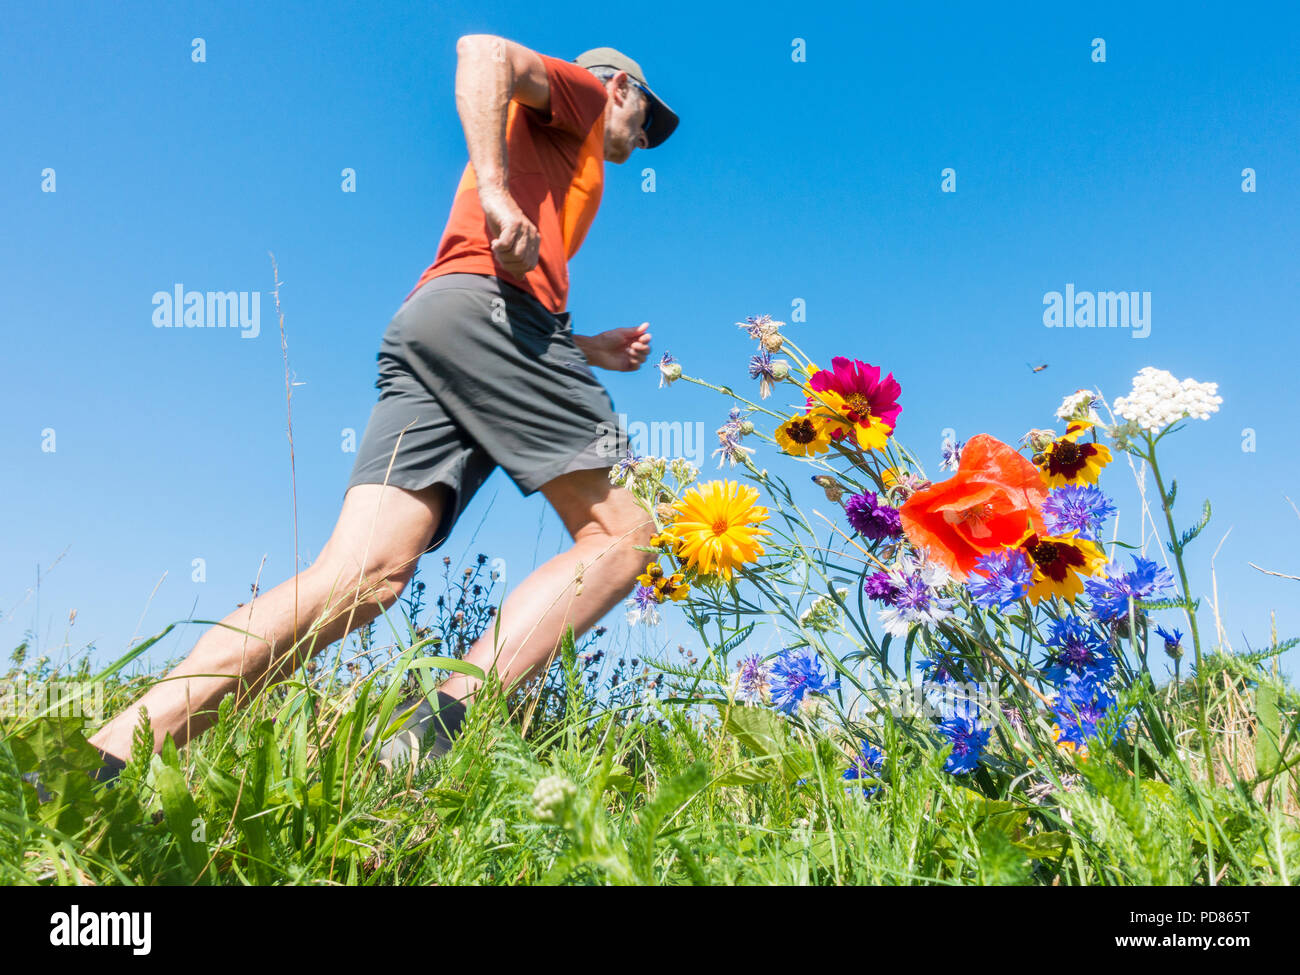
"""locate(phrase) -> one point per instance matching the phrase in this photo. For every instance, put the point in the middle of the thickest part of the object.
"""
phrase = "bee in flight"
(1037, 368)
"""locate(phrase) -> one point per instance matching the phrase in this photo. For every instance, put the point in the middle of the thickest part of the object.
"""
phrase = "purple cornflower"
(729, 435)
(760, 368)
(968, 742)
(951, 454)
(917, 602)
(867, 764)
(879, 586)
(1081, 508)
(752, 680)
(873, 519)
(644, 604)
(760, 326)
(796, 673)
(1082, 711)
(1074, 650)
(1110, 596)
(1001, 579)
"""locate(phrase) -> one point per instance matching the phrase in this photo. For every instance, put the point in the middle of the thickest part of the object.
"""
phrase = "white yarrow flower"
(1158, 399)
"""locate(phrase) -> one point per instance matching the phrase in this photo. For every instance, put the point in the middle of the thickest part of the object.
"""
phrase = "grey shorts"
(475, 374)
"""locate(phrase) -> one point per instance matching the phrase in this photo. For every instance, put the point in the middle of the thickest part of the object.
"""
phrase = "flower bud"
(780, 369)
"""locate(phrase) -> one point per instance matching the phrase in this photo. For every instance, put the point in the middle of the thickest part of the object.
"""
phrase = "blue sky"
(817, 180)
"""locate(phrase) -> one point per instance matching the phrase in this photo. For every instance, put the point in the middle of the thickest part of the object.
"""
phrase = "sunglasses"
(649, 107)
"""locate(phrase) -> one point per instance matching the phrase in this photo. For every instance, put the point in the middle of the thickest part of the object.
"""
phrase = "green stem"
(1177, 550)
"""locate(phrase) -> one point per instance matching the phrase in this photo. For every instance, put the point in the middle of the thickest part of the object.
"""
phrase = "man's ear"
(622, 87)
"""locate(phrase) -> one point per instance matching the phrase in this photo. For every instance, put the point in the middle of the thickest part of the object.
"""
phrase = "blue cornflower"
(951, 454)
(1083, 710)
(1110, 596)
(1173, 641)
(1080, 508)
(968, 742)
(1001, 579)
(1075, 650)
(796, 673)
(867, 764)
(643, 606)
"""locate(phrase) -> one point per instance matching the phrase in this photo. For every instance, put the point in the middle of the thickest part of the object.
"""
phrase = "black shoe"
(430, 730)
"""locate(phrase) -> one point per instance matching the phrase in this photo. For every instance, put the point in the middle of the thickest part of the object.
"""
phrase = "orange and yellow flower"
(674, 587)
(803, 436)
(718, 527)
(855, 402)
(1058, 562)
(1066, 461)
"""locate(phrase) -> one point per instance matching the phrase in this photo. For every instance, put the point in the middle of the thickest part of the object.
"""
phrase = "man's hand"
(515, 240)
(619, 349)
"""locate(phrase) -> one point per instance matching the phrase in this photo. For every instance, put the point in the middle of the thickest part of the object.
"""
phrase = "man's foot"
(107, 773)
(429, 728)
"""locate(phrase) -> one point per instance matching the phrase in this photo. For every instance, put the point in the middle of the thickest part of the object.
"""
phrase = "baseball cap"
(663, 120)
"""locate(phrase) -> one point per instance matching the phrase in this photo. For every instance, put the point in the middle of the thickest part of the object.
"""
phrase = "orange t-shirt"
(556, 174)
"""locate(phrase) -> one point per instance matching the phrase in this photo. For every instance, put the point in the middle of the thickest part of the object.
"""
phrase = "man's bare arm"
(490, 72)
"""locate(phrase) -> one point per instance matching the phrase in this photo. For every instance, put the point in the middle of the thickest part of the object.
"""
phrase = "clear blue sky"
(817, 180)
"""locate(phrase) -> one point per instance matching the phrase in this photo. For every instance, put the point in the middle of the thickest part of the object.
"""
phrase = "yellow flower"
(718, 527)
(1057, 562)
(1066, 461)
(803, 436)
(674, 587)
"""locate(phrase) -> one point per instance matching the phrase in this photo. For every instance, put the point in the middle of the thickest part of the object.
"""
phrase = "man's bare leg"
(382, 527)
(605, 523)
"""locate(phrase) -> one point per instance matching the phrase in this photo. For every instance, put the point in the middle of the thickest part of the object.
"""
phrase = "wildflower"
(872, 519)
(880, 587)
(1173, 641)
(902, 484)
(1110, 595)
(761, 327)
(729, 435)
(917, 601)
(664, 587)
(796, 673)
(1158, 400)
(1082, 710)
(989, 504)
(856, 401)
(753, 680)
(951, 454)
(1057, 562)
(552, 798)
(803, 436)
(1066, 461)
(670, 370)
(624, 469)
(1078, 406)
(868, 763)
(1074, 650)
(718, 528)
(938, 671)
(683, 470)
(644, 606)
(1079, 508)
(1001, 579)
(767, 372)
(968, 742)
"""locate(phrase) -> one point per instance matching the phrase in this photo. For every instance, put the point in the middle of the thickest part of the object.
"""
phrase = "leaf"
(1268, 753)
(1195, 530)
(759, 729)
(1045, 846)
(447, 663)
(733, 641)
(182, 816)
(1173, 493)
(13, 808)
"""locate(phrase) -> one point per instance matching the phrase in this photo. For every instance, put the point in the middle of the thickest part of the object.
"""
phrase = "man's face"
(625, 115)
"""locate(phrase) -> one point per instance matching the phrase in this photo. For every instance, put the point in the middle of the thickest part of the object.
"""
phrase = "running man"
(479, 368)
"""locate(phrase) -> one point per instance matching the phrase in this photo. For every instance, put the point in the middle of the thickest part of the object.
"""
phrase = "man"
(478, 368)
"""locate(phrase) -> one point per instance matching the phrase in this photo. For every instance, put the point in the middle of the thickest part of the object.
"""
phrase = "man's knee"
(383, 581)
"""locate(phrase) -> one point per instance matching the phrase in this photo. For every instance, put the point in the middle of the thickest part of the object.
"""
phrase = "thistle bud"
(780, 369)
(773, 341)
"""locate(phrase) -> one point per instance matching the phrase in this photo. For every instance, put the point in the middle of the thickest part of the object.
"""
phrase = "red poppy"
(990, 503)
